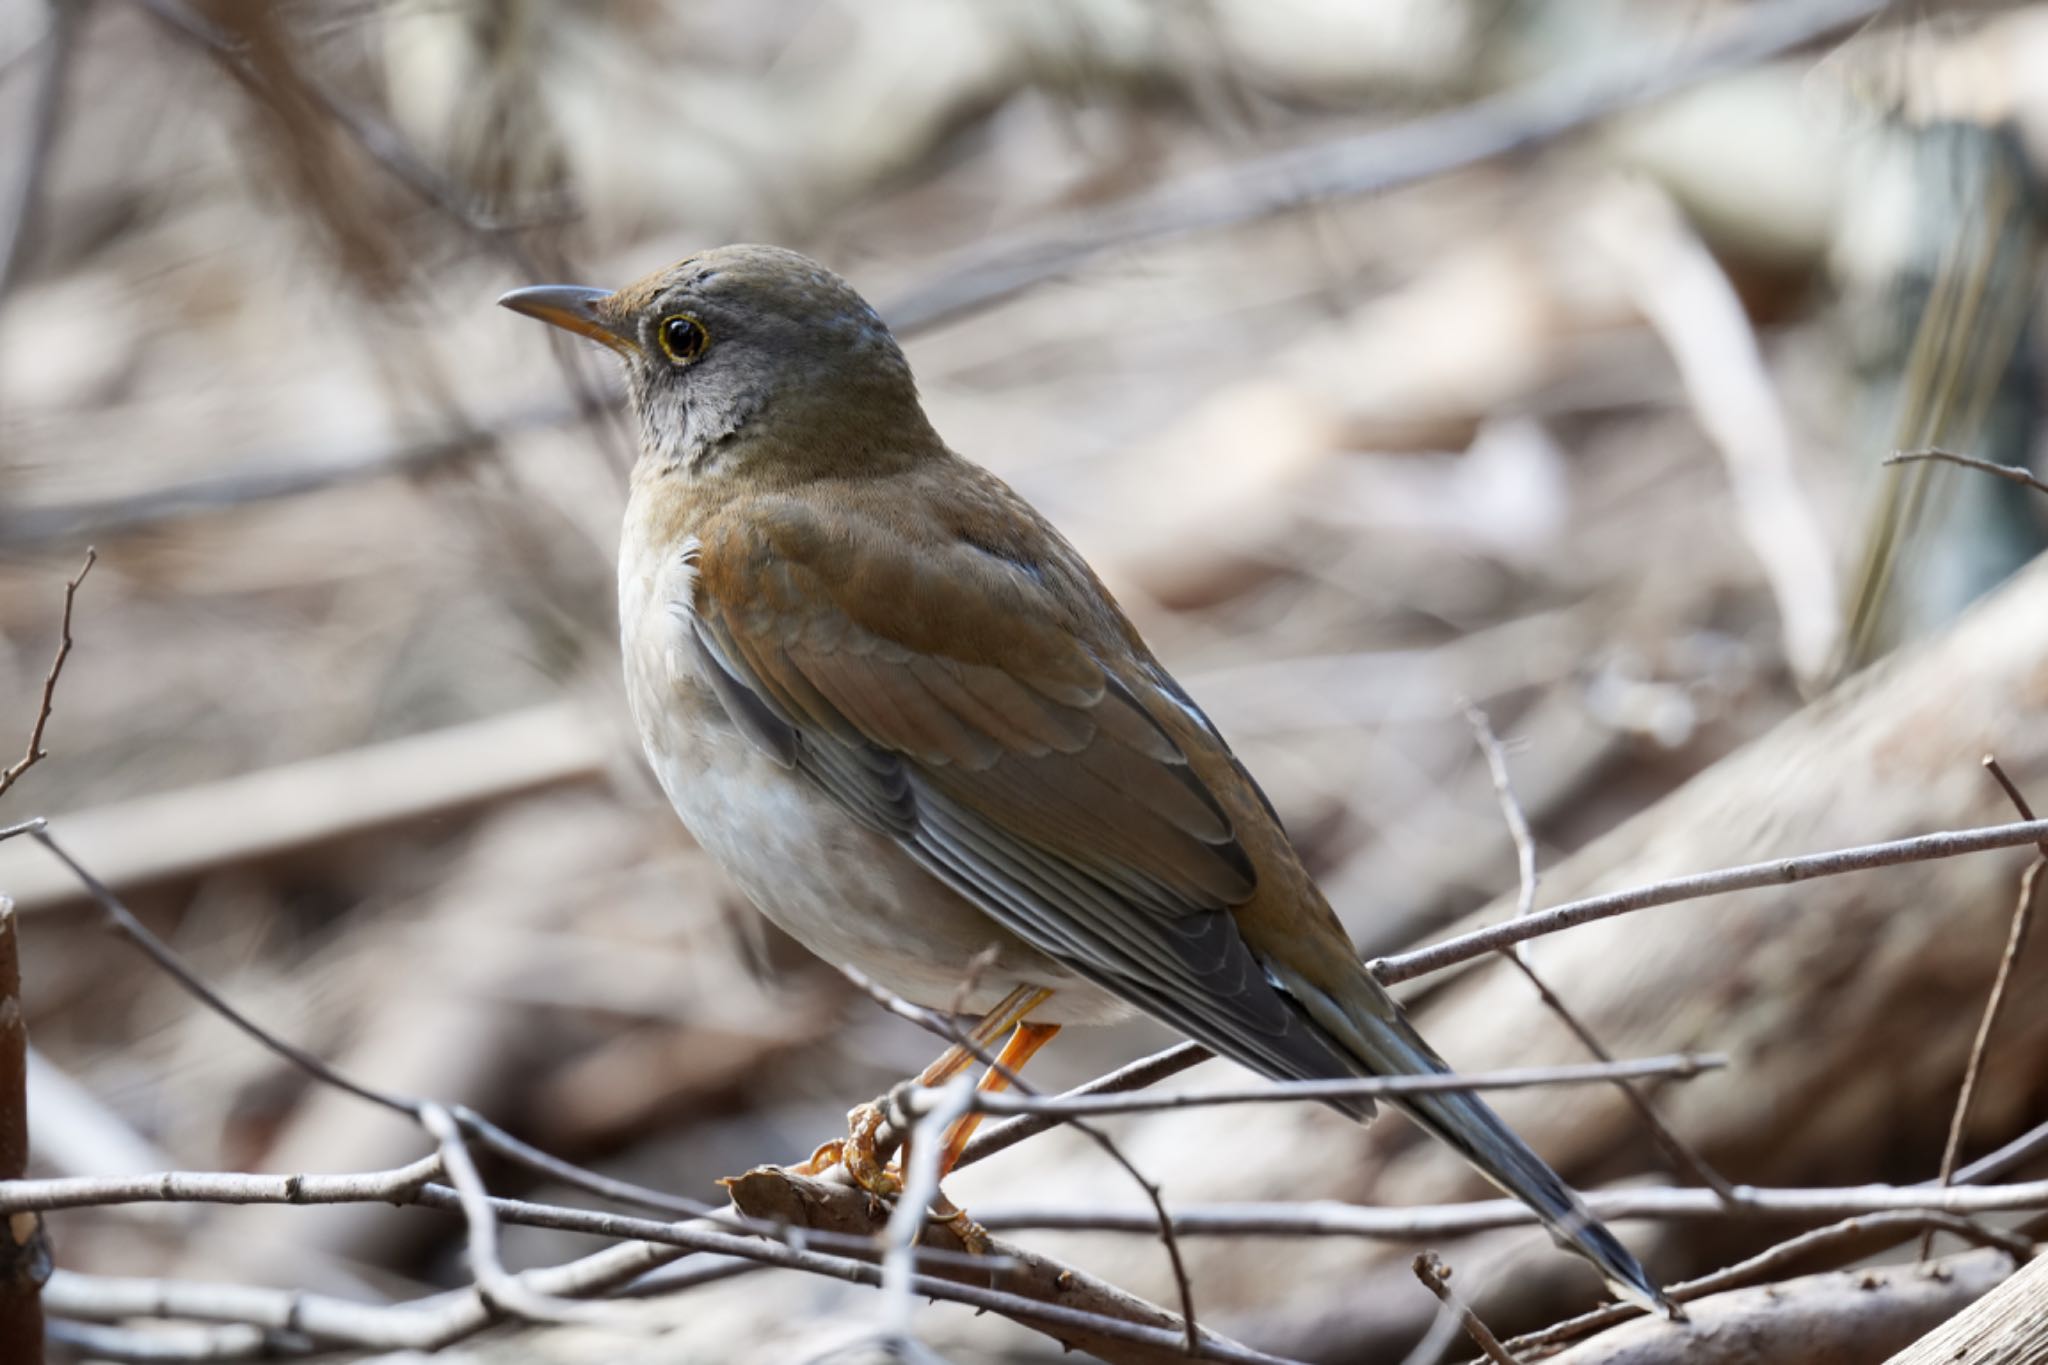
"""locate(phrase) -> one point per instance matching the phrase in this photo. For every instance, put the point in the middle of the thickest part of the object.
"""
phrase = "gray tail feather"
(1465, 1123)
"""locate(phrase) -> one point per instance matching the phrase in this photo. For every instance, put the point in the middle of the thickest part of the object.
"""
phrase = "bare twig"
(2012, 472)
(1131, 1076)
(35, 753)
(1524, 839)
(1436, 1278)
(1368, 163)
(414, 1184)
(268, 478)
(502, 1291)
(1919, 848)
(1682, 1065)
(2015, 940)
(1689, 300)
(1324, 1218)
(1673, 1146)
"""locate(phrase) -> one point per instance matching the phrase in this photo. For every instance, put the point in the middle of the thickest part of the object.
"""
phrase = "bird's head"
(749, 356)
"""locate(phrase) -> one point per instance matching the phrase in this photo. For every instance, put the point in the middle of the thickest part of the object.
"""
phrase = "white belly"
(847, 893)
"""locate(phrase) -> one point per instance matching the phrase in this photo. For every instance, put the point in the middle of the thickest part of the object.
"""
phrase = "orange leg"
(856, 1151)
(1022, 1047)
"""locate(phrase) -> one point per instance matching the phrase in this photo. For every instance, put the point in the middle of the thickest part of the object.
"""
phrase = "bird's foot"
(973, 1236)
(856, 1152)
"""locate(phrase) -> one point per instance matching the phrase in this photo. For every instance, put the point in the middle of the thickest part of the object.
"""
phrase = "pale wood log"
(2008, 1326)
(1844, 1317)
(261, 814)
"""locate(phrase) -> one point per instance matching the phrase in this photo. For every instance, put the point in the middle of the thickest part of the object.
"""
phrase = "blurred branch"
(317, 800)
(1371, 162)
(2011, 472)
(286, 87)
(57, 47)
(267, 480)
(1683, 291)
(35, 753)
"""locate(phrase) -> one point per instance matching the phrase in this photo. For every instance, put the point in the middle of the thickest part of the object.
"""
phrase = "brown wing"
(941, 693)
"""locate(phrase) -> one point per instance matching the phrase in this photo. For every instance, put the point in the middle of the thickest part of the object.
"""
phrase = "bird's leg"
(856, 1151)
(1024, 1043)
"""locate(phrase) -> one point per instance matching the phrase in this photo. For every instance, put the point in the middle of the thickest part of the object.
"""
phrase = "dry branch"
(770, 1193)
(1368, 163)
(35, 753)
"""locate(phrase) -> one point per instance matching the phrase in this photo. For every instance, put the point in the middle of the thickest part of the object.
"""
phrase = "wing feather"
(1021, 768)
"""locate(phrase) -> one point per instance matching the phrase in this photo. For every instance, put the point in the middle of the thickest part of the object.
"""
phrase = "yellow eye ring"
(682, 337)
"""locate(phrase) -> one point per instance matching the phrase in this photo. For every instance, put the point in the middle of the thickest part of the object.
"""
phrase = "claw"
(972, 1235)
(855, 1152)
(824, 1159)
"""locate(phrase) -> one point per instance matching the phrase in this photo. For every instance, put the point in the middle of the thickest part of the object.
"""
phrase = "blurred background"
(1536, 353)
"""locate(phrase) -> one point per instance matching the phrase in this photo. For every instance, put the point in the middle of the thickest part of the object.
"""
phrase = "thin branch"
(413, 1185)
(1368, 163)
(1517, 820)
(1673, 1146)
(35, 752)
(502, 1291)
(1129, 1077)
(1919, 848)
(1683, 1065)
(2015, 941)
(1436, 1277)
(1328, 1218)
(123, 922)
(2012, 472)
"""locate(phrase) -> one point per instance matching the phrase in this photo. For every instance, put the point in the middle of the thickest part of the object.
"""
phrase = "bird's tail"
(1464, 1122)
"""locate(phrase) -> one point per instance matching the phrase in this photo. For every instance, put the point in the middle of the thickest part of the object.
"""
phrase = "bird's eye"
(683, 337)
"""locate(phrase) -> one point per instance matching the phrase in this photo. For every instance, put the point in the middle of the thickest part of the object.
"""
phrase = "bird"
(911, 724)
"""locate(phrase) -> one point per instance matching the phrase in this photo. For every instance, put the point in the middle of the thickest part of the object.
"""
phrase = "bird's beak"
(572, 307)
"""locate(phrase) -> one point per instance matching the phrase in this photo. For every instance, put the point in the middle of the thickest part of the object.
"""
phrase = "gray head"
(749, 355)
